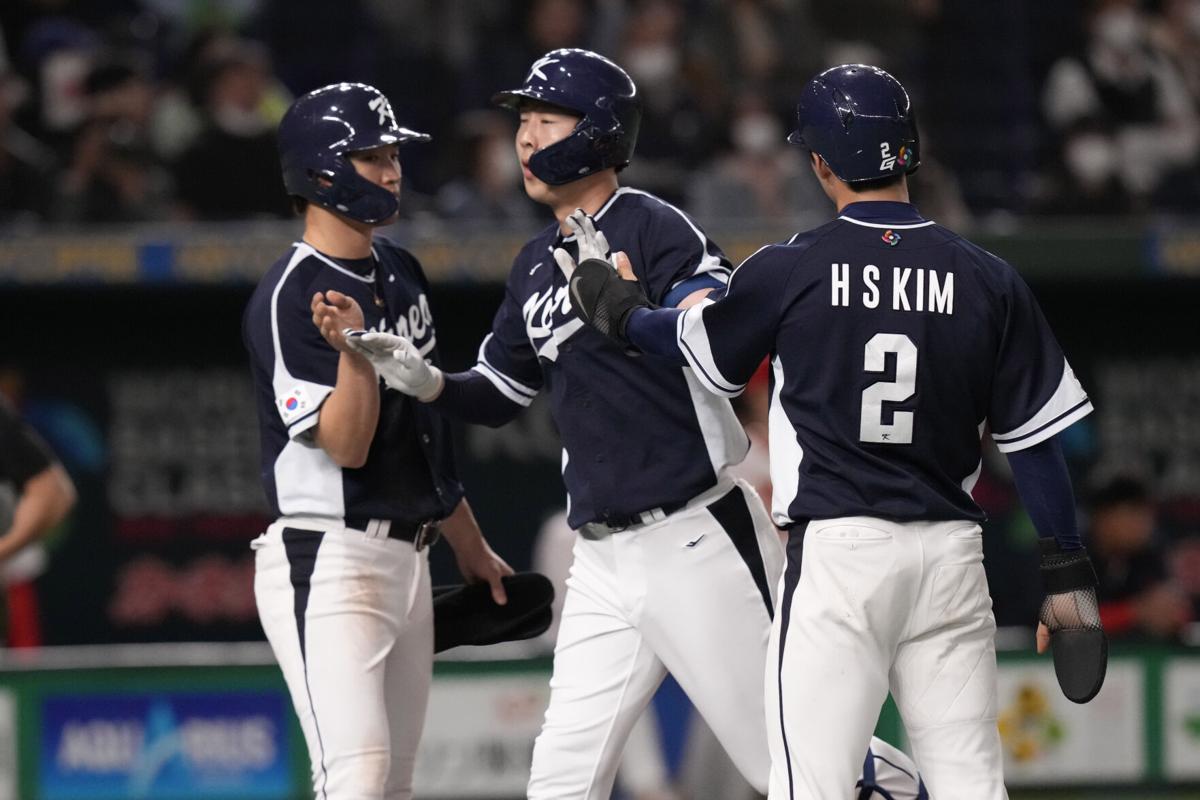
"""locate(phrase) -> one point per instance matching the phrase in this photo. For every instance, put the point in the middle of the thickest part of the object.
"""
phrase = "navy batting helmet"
(859, 119)
(317, 133)
(602, 93)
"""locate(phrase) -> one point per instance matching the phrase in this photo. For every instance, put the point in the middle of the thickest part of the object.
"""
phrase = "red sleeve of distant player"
(1118, 616)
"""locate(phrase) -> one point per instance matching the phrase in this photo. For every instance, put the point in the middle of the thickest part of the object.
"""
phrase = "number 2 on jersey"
(871, 427)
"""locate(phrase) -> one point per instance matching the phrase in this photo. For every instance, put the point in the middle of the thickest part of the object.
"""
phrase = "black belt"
(641, 517)
(615, 523)
(421, 534)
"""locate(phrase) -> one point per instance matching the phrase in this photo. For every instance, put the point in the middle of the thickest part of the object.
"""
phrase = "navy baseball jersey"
(894, 343)
(637, 433)
(23, 454)
(410, 473)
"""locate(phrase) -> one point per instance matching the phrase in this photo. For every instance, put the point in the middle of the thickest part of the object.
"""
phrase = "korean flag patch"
(294, 404)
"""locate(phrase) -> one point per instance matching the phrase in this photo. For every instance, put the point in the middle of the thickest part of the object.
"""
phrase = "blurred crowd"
(150, 110)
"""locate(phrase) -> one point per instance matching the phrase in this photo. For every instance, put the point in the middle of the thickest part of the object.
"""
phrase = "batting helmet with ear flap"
(860, 120)
(601, 93)
(317, 133)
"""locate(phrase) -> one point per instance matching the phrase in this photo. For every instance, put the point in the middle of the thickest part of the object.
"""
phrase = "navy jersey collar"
(883, 211)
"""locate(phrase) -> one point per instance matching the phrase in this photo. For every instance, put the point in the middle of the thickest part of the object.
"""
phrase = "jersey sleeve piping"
(693, 342)
(511, 388)
(1067, 405)
(305, 423)
(708, 262)
(501, 382)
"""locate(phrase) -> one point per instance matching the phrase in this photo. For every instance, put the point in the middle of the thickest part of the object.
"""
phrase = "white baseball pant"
(868, 605)
(350, 618)
(690, 594)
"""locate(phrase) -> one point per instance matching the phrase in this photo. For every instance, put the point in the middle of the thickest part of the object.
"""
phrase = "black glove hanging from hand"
(605, 300)
(1071, 612)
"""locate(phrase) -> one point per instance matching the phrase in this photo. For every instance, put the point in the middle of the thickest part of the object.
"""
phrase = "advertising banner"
(479, 732)
(1050, 740)
(164, 746)
(8, 746)
(1181, 719)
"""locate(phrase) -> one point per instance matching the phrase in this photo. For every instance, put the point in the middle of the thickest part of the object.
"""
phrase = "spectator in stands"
(683, 111)
(764, 178)
(230, 171)
(114, 174)
(1123, 113)
(507, 44)
(35, 494)
(1137, 598)
(26, 166)
(489, 188)
(1185, 571)
(1176, 32)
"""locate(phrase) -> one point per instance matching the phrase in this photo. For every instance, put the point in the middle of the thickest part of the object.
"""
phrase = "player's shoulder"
(535, 255)
(393, 258)
(389, 251)
(792, 251)
(991, 268)
(639, 207)
(293, 271)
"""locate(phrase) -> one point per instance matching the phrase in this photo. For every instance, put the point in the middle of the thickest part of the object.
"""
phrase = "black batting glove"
(605, 300)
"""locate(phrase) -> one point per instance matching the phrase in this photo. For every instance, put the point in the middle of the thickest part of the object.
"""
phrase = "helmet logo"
(903, 156)
(536, 69)
(889, 160)
(381, 106)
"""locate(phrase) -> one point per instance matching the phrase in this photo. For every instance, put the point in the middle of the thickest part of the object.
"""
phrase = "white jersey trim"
(925, 224)
(307, 481)
(707, 263)
(968, 483)
(511, 388)
(1067, 405)
(309, 396)
(724, 438)
(693, 343)
(784, 451)
(501, 382)
(312, 251)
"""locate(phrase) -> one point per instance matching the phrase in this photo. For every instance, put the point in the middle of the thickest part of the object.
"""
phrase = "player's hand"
(1070, 619)
(334, 312)
(478, 563)
(399, 362)
(591, 242)
(1043, 637)
(601, 298)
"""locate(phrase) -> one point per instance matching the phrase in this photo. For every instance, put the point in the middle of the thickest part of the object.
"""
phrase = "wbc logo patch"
(891, 237)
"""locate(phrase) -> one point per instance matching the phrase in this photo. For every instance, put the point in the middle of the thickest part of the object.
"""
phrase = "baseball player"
(893, 343)
(36, 493)
(360, 478)
(675, 562)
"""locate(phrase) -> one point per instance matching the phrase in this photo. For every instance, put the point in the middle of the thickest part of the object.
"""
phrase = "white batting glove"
(591, 242)
(398, 361)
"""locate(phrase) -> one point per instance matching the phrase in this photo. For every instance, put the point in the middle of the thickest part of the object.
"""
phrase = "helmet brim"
(515, 98)
(398, 136)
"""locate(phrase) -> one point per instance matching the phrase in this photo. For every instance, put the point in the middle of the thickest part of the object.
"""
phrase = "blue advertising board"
(164, 746)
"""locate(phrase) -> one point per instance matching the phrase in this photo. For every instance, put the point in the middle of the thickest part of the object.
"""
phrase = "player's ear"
(819, 166)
